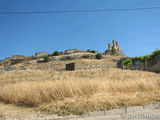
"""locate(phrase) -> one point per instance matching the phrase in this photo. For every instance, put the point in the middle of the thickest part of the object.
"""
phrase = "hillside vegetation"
(130, 61)
(80, 91)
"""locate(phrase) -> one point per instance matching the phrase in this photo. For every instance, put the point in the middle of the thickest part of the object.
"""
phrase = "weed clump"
(46, 59)
(56, 53)
(99, 56)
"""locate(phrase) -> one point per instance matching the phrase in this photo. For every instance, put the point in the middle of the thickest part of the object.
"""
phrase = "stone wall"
(152, 65)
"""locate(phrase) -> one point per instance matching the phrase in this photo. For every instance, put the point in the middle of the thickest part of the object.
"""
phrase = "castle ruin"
(114, 50)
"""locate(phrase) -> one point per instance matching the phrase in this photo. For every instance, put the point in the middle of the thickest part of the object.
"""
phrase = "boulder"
(17, 57)
(41, 54)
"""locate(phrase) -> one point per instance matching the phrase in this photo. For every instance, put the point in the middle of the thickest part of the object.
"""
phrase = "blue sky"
(138, 32)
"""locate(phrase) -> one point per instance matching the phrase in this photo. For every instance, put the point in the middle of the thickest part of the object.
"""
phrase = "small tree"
(88, 50)
(93, 51)
(99, 56)
(46, 59)
(56, 53)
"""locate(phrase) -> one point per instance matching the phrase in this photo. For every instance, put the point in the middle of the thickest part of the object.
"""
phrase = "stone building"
(70, 67)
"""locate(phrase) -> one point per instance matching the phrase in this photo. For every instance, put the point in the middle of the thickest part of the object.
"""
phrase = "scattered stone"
(52, 58)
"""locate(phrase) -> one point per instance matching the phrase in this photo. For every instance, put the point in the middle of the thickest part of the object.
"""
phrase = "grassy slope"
(80, 64)
(79, 91)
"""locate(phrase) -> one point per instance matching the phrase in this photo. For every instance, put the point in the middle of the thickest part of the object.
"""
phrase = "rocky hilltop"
(114, 50)
(70, 54)
(42, 59)
(112, 57)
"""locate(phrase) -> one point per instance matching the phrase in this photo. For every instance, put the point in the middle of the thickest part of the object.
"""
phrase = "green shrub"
(56, 53)
(46, 59)
(98, 56)
(61, 53)
(156, 53)
(88, 50)
(128, 61)
(148, 57)
(93, 51)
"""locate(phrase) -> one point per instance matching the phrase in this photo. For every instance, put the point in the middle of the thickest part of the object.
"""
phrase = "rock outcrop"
(41, 54)
(15, 59)
(75, 56)
(114, 50)
(71, 51)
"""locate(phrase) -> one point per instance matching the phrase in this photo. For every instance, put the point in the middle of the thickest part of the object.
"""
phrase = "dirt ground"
(149, 112)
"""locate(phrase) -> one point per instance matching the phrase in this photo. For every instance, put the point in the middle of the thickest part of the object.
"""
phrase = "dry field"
(80, 91)
(81, 64)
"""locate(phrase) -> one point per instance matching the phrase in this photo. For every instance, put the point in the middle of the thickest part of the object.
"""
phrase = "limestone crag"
(114, 50)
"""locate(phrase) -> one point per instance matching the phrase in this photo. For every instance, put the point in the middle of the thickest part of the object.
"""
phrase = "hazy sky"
(138, 32)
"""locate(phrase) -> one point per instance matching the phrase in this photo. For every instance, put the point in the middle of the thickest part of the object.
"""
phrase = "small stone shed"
(70, 67)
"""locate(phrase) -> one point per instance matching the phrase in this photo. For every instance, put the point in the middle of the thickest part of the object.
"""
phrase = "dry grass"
(1, 115)
(79, 92)
(80, 64)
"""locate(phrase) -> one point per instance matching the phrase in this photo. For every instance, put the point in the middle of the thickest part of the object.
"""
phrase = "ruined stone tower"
(114, 50)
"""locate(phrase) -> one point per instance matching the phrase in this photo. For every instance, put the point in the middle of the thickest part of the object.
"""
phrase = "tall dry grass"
(82, 91)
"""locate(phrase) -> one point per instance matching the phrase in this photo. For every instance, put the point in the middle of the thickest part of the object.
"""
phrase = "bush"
(56, 53)
(88, 50)
(147, 57)
(130, 61)
(46, 59)
(99, 56)
(93, 51)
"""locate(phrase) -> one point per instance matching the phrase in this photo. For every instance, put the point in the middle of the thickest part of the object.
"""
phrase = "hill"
(97, 84)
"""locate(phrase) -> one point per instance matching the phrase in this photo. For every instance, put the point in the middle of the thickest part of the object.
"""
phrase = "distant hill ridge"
(69, 54)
